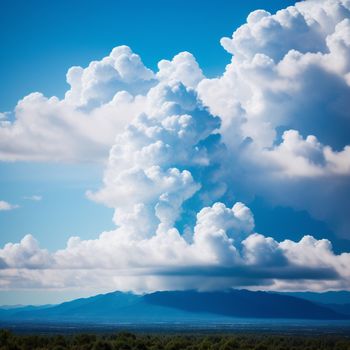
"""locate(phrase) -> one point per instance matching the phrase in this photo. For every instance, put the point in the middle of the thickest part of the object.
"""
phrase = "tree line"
(130, 341)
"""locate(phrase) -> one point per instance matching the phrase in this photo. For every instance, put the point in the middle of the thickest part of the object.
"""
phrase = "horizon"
(177, 147)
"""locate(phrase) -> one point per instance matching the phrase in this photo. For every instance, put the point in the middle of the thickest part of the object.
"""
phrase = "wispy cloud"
(34, 197)
(4, 206)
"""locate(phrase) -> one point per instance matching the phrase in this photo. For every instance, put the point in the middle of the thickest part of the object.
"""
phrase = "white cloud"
(289, 78)
(97, 84)
(82, 126)
(181, 147)
(3, 117)
(4, 206)
(225, 252)
(150, 167)
(25, 254)
(34, 197)
(263, 251)
(218, 228)
(103, 98)
(183, 68)
(296, 157)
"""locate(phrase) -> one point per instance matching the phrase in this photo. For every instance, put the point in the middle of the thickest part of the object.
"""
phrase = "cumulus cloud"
(183, 68)
(25, 254)
(185, 153)
(288, 70)
(283, 102)
(151, 166)
(102, 99)
(4, 206)
(97, 84)
(225, 252)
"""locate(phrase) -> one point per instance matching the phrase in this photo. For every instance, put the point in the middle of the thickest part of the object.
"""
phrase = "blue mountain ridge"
(338, 301)
(175, 306)
(329, 297)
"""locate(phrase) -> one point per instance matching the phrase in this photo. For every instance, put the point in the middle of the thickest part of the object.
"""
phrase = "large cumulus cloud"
(183, 152)
(283, 102)
(103, 98)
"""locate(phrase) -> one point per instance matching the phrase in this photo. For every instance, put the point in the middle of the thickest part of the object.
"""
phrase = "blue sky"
(48, 38)
(184, 146)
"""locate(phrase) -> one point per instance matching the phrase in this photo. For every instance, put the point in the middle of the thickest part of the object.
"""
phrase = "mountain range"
(183, 306)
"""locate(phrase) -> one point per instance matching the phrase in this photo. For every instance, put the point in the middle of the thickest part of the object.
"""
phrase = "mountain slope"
(99, 306)
(338, 301)
(331, 297)
(243, 303)
(176, 306)
(340, 308)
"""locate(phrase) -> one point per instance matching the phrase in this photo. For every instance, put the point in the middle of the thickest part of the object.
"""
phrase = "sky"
(172, 145)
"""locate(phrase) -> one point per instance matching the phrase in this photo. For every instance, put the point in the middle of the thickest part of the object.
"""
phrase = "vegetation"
(129, 341)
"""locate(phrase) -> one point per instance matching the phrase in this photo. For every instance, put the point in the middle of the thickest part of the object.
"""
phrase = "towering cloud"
(185, 152)
(284, 102)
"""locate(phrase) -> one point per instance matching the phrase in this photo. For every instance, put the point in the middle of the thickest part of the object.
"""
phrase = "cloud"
(4, 206)
(25, 254)
(162, 170)
(97, 84)
(183, 68)
(34, 197)
(151, 164)
(298, 158)
(282, 101)
(185, 152)
(81, 127)
(225, 252)
(288, 70)
(103, 98)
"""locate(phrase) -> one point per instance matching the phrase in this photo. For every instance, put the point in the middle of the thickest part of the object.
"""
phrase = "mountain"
(8, 311)
(242, 303)
(175, 306)
(332, 297)
(340, 308)
(338, 301)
